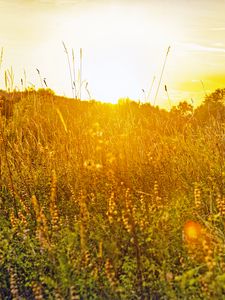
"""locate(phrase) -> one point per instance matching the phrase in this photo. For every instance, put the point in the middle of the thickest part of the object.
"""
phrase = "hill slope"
(101, 201)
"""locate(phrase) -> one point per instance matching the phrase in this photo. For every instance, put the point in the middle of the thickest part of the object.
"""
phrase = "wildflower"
(89, 164)
(169, 276)
(197, 196)
(92, 166)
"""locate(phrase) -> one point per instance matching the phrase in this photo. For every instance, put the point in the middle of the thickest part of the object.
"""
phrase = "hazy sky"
(124, 45)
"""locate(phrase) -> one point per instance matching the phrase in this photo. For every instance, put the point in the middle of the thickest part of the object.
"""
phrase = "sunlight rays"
(124, 44)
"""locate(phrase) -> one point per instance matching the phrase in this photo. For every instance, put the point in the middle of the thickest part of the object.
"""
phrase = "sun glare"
(124, 45)
(123, 49)
(192, 231)
(112, 136)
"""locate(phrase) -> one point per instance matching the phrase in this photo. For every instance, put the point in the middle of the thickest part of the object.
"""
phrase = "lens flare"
(192, 231)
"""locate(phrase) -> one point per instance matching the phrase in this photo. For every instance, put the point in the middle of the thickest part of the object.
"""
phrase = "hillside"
(102, 201)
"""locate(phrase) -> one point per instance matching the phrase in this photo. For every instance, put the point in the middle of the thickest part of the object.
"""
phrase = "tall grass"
(76, 85)
(110, 202)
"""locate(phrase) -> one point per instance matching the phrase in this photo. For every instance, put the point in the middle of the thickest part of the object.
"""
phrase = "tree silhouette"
(213, 107)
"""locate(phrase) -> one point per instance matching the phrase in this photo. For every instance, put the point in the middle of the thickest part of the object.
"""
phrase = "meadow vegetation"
(102, 201)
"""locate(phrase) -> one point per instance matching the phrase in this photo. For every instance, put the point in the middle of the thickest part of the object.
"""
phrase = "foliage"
(212, 107)
(101, 201)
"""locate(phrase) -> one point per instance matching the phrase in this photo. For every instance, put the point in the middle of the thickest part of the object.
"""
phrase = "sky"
(124, 45)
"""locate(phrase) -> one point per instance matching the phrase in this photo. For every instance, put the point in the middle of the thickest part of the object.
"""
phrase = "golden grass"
(105, 201)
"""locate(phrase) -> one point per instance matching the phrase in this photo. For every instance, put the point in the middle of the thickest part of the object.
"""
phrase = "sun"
(123, 50)
(124, 45)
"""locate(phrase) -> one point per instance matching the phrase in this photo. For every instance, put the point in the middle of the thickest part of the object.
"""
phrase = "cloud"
(217, 29)
(201, 48)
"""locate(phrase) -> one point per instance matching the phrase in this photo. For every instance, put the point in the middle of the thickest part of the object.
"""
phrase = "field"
(102, 201)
